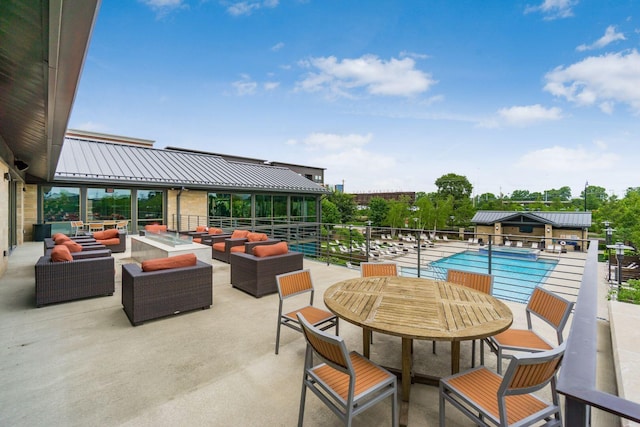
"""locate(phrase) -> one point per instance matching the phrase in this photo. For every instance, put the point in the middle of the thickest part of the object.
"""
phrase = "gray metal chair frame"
(477, 281)
(294, 284)
(332, 351)
(510, 395)
(546, 305)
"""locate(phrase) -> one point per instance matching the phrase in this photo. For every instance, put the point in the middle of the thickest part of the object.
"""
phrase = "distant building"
(363, 199)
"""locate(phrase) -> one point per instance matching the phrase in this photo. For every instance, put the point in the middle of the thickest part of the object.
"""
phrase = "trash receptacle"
(40, 231)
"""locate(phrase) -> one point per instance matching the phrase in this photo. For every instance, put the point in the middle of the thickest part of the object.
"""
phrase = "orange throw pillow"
(257, 237)
(61, 253)
(110, 233)
(197, 240)
(73, 246)
(201, 229)
(56, 235)
(239, 233)
(109, 242)
(270, 250)
(61, 238)
(214, 230)
(177, 261)
(99, 235)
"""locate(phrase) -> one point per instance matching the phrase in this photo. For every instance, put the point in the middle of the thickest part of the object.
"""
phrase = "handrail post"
(490, 245)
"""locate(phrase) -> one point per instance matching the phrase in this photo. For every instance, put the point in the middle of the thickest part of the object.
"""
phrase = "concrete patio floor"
(82, 363)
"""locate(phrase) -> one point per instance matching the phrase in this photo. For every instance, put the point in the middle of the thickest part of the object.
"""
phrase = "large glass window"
(241, 205)
(219, 205)
(150, 207)
(311, 213)
(108, 204)
(280, 208)
(263, 206)
(60, 204)
(297, 208)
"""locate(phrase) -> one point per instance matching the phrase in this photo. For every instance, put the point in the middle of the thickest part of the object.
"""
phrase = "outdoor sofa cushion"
(106, 234)
(176, 261)
(60, 253)
(271, 250)
(239, 234)
(257, 237)
(72, 246)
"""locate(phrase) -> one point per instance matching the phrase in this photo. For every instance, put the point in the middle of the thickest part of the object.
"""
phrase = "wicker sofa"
(257, 275)
(230, 244)
(71, 280)
(155, 294)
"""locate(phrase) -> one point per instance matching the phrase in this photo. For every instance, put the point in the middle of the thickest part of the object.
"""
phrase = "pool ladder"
(435, 272)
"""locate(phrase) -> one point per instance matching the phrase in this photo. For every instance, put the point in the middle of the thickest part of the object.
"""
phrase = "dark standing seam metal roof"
(556, 219)
(119, 164)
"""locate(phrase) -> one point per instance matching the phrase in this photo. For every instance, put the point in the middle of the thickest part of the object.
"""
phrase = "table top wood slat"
(418, 308)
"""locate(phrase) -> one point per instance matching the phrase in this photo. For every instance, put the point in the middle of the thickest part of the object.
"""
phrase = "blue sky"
(386, 95)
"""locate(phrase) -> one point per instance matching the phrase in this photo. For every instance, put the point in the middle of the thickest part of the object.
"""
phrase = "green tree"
(563, 193)
(330, 212)
(398, 212)
(459, 189)
(378, 210)
(346, 204)
(488, 202)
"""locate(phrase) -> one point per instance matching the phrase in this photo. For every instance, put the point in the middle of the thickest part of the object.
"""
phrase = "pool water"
(514, 278)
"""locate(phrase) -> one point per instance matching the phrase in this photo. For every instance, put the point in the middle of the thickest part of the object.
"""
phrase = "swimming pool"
(514, 278)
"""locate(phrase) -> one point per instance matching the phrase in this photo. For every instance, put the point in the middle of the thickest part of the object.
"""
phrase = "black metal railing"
(577, 379)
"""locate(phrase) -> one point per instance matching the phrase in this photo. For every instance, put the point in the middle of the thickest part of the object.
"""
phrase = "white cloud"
(271, 85)
(245, 86)
(553, 9)
(333, 142)
(396, 77)
(603, 80)
(563, 159)
(248, 7)
(276, 47)
(610, 36)
(528, 114)
(163, 7)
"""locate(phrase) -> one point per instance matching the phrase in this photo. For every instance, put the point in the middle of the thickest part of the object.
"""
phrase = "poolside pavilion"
(566, 228)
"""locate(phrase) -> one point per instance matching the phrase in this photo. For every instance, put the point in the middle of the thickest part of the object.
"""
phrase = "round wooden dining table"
(417, 308)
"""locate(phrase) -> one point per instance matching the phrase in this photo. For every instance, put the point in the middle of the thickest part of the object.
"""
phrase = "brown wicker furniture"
(223, 246)
(257, 275)
(71, 280)
(155, 294)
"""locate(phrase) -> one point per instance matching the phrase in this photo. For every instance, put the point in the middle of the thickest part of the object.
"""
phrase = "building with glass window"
(103, 178)
(50, 178)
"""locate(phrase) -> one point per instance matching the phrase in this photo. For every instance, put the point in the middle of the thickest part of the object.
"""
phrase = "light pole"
(620, 248)
(585, 195)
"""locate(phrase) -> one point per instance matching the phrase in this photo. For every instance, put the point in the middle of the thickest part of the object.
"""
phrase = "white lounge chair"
(519, 244)
(534, 245)
(507, 243)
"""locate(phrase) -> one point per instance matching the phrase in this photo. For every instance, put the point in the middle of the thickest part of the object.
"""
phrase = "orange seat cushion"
(73, 246)
(106, 234)
(109, 242)
(257, 237)
(61, 253)
(197, 239)
(237, 248)
(155, 228)
(218, 246)
(61, 238)
(270, 250)
(213, 230)
(177, 261)
(239, 233)
(201, 229)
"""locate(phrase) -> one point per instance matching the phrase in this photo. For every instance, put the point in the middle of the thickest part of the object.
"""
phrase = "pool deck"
(82, 363)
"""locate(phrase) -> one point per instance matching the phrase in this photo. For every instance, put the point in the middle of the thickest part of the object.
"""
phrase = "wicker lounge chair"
(71, 280)
(156, 294)
(257, 275)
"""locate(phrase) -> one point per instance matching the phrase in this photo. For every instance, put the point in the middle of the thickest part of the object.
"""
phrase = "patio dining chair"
(488, 398)
(368, 269)
(544, 304)
(346, 382)
(478, 281)
(95, 226)
(294, 284)
(122, 226)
